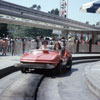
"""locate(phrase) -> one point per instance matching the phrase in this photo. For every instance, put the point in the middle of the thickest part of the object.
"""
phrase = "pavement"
(7, 61)
(91, 74)
(92, 78)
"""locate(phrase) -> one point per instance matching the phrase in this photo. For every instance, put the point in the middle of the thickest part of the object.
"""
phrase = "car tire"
(69, 64)
(24, 70)
(59, 69)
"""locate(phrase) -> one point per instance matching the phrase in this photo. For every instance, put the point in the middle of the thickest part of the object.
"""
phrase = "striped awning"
(91, 7)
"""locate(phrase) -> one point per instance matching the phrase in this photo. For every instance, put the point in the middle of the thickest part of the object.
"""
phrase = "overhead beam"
(24, 13)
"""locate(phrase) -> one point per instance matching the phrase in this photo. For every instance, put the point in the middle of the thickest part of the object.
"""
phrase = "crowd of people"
(11, 46)
(21, 45)
(16, 46)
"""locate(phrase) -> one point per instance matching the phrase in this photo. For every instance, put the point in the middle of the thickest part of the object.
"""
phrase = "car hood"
(40, 56)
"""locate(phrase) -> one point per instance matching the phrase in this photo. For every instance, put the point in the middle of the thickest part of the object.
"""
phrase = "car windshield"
(50, 47)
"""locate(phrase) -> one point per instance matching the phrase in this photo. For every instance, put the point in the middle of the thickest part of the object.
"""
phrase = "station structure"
(20, 15)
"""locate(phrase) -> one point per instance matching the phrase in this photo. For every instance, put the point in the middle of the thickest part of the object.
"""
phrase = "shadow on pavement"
(45, 72)
(8, 70)
(49, 73)
(68, 72)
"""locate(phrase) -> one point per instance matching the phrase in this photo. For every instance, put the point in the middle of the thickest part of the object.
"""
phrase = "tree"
(36, 7)
(98, 23)
(33, 32)
(3, 30)
(24, 31)
(54, 11)
(33, 6)
(87, 22)
(16, 30)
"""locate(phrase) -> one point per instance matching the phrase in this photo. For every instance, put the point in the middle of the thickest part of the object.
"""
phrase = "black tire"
(24, 70)
(59, 68)
(69, 64)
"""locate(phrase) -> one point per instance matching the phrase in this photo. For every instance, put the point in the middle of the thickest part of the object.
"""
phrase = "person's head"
(4, 39)
(45, 42)
(57, 46)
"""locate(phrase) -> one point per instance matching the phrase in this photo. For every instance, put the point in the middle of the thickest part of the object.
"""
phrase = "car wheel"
(24, 70)
(59, 68)
(69, 64)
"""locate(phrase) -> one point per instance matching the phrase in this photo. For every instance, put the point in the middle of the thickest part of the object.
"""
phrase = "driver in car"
(44, 45)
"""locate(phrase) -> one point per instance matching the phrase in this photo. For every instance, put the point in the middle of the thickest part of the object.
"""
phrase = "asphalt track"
(17, 86)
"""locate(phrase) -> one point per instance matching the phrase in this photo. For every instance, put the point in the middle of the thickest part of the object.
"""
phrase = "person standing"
(0, 44)
(23, 45)
(13, 47)
(90, 46)
(4, 47)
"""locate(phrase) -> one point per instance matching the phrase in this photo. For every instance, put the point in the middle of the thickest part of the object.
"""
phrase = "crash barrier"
(20, 48)
(71, 48)
(83, 48)
(95, 48)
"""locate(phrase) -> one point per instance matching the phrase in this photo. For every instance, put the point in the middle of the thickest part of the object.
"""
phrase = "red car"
(46, 59)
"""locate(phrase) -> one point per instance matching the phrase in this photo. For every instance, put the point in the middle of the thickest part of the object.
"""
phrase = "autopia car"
(46, 59)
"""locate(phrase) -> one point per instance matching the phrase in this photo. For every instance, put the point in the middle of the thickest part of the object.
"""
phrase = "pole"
(60, 9)
(67, 9)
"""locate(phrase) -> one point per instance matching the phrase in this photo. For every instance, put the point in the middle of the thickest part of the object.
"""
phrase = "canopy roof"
(91, 7)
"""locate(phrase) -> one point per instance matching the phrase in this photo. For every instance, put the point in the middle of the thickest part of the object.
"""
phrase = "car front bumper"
(35, 66)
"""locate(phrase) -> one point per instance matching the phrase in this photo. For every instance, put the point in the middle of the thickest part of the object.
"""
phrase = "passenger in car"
(57, 47)
(62, 51)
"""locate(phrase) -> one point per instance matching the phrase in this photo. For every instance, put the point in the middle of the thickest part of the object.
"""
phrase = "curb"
(74, 62)
(85, 57)
(91, 86)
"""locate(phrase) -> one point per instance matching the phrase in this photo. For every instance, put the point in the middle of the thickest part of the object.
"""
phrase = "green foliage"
(36, 7)
(16, 30)
(33, 32)
(24, 31)
(3, 30)
(54, 11)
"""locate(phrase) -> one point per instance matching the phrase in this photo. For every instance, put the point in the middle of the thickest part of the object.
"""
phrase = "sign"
(58, 32)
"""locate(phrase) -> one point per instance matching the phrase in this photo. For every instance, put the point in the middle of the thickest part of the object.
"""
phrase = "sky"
(74, 12)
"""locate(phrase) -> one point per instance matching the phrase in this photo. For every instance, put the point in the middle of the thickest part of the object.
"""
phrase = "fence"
(83, 48)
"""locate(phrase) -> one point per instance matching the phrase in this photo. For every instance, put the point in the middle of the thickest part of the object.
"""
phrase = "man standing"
(4, 47)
